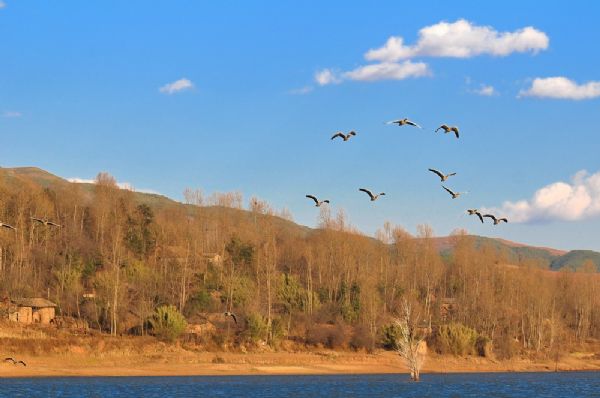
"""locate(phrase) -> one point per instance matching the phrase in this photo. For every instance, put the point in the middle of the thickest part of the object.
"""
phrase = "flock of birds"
(41, 221)
(318, 203)
(443, 177)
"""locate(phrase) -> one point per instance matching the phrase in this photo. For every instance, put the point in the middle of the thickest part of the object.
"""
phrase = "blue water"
(578, 384)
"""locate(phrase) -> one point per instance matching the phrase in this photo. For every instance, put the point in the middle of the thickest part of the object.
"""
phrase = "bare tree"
(409, 341)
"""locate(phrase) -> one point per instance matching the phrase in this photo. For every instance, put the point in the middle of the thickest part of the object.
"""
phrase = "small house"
(33, 310)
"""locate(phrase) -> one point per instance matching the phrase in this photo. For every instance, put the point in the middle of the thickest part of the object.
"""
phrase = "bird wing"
(37, 219)
(437, 172)
(413, 124)
(443, 127)
(367, 192)
(449, 191)
(352, 132)
(480, 216)
(338, 135)
(24, 364)
(7, 226)
(455, 129)
(313, 198)
(9, 359)
(234, 318)
(503, 219)
(53, 224)
(450, 175)
(493, 217)
(394, 121)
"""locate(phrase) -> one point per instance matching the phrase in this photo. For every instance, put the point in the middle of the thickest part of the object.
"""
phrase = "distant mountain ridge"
(515, 253)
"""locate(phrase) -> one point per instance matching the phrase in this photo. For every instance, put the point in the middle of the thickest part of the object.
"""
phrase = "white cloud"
(177, 86)
(301, 90)
(388, 71)
(78, 180)
(375, 72)
(327, 76)
(557, 201)
(122, 185)
(486, 90)
(461, 39)
(562, 88)
(11, 114)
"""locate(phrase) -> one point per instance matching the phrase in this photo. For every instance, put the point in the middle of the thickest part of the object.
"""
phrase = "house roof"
(35, 302)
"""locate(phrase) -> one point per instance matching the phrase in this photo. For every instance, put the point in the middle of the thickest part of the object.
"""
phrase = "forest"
(119, 258)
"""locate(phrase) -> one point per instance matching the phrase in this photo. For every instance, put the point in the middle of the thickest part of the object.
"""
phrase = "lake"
(574, 384)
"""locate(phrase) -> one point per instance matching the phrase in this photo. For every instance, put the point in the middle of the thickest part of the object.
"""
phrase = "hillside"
(576, 259)
(513, 252)
(124, 262)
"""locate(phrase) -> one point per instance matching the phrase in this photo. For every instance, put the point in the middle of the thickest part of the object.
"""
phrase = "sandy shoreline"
(237, 364)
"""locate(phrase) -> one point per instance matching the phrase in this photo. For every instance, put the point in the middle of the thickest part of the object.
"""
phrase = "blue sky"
(80, 93)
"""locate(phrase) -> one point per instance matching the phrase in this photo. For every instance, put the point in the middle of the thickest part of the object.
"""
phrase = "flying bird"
(345, 137)
(231, 314)
(45, 222)
(448, 129)
(14, 361)
(496, 220)
(454, 194)
(7, 226)
(476, 212)
(373, 197)
(403, 122)
(442, 176)
(318, 202)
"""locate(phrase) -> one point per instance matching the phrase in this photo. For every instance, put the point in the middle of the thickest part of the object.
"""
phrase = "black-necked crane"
(14, 361)
(7, 226)
(454, 194)
(442, 176)
(231, 314)
(318, 202)
(448, 129)
(45, 222)
(476, 212)
(343, 136)
(403, 122)
(371, 195)
(496, 219)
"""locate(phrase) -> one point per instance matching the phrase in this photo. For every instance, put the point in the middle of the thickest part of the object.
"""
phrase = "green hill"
(575, 259)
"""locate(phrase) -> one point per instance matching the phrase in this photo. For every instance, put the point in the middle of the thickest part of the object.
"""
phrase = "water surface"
(576, 384)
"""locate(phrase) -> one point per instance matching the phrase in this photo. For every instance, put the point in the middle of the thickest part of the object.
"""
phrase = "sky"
(233, 96)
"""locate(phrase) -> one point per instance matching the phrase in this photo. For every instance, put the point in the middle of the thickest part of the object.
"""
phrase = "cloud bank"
(561, 88)
(177, 86)
(460, 39)
(559, 201)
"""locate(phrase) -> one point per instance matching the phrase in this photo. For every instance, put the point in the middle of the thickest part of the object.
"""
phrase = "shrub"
(218, 359)
(456, 339)
(330, 336)
(256, 327)
(199, 302)
(484, 347)
(167, 323)
(389, 336)
(362, 338)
